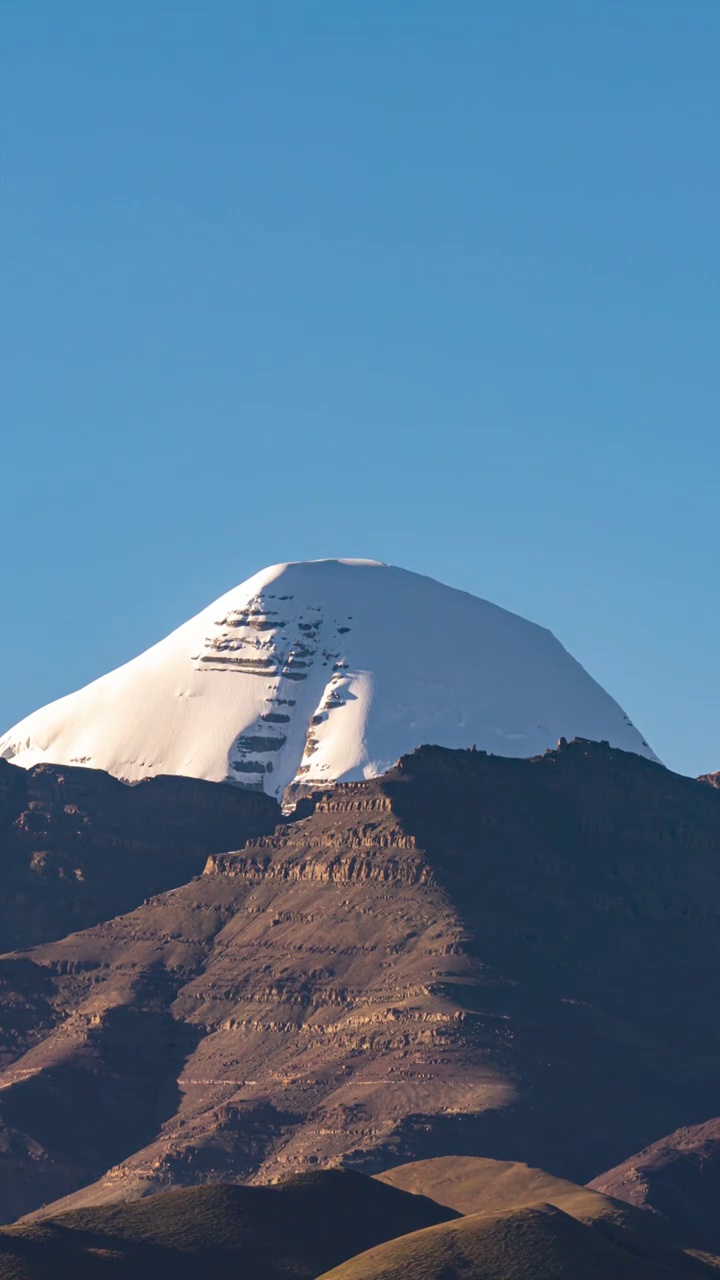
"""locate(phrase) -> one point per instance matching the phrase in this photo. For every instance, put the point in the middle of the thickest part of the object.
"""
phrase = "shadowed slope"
(678, 1176)
(77, 846)
(474, 1185)
(533, 1243)
(294, 1229)
(476, 955)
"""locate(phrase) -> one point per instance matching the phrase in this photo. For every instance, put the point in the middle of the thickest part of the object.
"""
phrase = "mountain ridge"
(323, 671)
(472, 954)
(78, 846)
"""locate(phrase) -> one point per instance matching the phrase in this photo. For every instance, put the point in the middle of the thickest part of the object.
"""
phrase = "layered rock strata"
(77, 846)
(507, 958)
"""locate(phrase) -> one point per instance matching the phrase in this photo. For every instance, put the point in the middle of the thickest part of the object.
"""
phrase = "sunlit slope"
(327, 670)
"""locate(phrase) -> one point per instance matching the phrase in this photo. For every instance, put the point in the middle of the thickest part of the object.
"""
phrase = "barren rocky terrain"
(77, 846)
(471, 954)
(677, 1176)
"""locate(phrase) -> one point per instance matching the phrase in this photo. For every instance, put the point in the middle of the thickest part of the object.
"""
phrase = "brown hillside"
(290, 1231)
(78, 847)
(470, 955)
(471, 1184)
(533, 1243)
(678, 1176)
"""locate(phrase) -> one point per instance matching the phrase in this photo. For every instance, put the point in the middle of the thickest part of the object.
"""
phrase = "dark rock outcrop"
(77, 846)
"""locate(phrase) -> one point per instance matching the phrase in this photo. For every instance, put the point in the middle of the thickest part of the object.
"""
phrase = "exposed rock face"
(679, 1176)
(471, 954)
(77, 846)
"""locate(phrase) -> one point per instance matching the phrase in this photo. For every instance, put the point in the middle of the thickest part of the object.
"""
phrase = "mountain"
(290, 1231)
(471, 1184)
(298, 1227)
(678, 1176)
(537, 1242)
(295, 1229)
(77, 846)
(470, 955)
(525, 1224)
(324, 671)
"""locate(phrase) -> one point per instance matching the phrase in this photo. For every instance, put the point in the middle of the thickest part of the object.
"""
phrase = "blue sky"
(428, 281)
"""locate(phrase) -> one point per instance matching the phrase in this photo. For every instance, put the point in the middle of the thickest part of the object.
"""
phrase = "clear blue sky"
(429, 281)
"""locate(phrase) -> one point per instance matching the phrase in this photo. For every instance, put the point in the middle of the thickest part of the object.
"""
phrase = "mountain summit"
(312, 672)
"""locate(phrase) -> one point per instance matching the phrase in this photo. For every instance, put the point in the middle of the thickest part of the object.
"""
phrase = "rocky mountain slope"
(77, 846)
(677, 1176)
(471, 954)
(308, 673)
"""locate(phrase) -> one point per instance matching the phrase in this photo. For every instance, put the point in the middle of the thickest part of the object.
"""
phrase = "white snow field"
(326, 670)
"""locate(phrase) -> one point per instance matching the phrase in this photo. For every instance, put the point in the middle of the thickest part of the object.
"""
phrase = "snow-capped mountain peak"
(317, 671)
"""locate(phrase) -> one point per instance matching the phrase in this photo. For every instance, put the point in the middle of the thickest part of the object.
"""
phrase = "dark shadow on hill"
(77, 1118)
